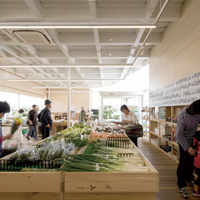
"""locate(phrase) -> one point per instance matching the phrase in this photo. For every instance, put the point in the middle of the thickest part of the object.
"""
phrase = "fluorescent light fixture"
(63, 25)
(68, 65)
(50, 80)
(72, 27)
(63, 87)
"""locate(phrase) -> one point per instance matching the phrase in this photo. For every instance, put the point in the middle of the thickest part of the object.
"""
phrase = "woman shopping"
(129, 117)
(4, 108)
(187, 124)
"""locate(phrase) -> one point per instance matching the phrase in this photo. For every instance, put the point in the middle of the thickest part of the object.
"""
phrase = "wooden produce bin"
(80, 185)
(112, 185)
(30, 185)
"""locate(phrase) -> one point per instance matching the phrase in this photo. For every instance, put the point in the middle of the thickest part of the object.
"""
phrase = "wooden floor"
(167, 173)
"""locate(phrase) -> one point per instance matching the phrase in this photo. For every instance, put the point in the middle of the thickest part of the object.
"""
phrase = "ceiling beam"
(32, 50)
(150, 6)
(125, 15)
(36, 8)
(148, 34)
(93, 16)
(64, 48)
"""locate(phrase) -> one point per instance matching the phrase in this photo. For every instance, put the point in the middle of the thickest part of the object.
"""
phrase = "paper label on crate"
(97, 166)
(63, 143)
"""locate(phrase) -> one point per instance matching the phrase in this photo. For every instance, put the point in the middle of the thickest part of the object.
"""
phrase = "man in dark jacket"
(45, 119)
(32, 122)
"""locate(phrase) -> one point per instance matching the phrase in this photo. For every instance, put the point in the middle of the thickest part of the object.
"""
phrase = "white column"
(49, 95)
(68, 96)
(101, 108)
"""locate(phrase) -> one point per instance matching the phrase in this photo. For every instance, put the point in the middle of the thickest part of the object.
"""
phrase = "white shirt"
(130, 117)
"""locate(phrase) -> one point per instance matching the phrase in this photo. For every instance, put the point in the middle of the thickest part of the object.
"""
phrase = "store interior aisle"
(167, 173)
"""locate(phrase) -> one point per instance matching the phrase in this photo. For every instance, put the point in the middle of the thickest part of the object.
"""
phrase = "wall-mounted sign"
(181, 92)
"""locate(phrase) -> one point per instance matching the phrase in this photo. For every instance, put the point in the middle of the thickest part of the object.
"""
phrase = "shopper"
(187, 124)
(19, 113)
(129, 118)
(32, 122)
(45, 119)
(82, 116)
(4, 108)
(196, 192)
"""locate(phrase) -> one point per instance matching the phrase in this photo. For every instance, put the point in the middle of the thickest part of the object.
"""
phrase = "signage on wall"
(181, 92)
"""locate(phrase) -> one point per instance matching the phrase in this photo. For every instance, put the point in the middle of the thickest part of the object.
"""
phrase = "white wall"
(77, 99)
(178, 55)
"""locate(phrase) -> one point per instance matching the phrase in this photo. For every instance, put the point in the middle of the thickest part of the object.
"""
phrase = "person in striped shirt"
(187, 124)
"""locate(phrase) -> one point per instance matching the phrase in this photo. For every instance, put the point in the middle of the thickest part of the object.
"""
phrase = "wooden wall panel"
(177, 56)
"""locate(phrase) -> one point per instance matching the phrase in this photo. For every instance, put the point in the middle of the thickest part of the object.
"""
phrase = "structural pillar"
(68, 96)
(49, 94)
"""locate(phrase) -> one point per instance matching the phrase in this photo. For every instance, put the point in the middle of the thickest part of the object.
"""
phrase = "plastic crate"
(25, 131)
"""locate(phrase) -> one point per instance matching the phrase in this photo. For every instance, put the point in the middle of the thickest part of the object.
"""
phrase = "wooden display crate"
(80, 185)
(112, 185)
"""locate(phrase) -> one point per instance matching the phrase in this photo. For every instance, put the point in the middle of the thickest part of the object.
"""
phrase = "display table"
(59, 125)
(80, 185)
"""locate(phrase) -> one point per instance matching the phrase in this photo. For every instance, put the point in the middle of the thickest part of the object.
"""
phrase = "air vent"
(31, 37)
(78, 83)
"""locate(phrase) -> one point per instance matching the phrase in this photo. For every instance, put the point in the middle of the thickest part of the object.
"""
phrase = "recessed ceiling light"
(110, 39)
(110, 54)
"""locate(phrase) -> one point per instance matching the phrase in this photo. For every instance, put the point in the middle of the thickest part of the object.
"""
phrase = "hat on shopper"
(47, 102)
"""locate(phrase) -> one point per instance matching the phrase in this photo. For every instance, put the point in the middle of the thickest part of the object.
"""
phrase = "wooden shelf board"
(164, 152)
(162, 121)
(155, 134)
(154, 120)
(172, 142)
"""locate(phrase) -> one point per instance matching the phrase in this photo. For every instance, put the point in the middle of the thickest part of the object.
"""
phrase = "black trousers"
(134, 140)
(197, 172)
(185, 168)
(45, 131)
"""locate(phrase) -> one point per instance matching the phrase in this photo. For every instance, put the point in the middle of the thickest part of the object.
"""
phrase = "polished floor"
(167, 172)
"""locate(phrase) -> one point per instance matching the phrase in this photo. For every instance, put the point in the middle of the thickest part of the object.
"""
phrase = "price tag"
(97, 166)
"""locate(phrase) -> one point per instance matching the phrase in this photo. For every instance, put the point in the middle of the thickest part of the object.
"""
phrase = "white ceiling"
(81, 46)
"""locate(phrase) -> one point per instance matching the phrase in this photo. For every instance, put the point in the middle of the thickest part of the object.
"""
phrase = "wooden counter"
(58, 126)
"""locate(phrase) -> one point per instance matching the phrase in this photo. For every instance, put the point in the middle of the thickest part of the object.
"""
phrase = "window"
(1, 96)
(13, 100)
(24, 102)
(31, 102)
(40, 104)
(111, 108)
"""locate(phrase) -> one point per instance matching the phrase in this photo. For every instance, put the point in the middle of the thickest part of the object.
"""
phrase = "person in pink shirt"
(196, 191)
(4, 108)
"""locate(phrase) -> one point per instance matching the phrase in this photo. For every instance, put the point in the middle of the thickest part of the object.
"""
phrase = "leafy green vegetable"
(76, 126)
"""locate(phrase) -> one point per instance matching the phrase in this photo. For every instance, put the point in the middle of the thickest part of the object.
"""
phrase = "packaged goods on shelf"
(162, 113)
(154, 141)
(157, 130)
(165, 130)
(167, 137)
(166, 148)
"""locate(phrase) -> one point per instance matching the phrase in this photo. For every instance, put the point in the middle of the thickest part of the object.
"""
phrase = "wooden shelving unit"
(160, 116)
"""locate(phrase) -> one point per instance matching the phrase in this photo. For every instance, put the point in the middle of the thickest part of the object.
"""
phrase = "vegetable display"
(97, 157)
